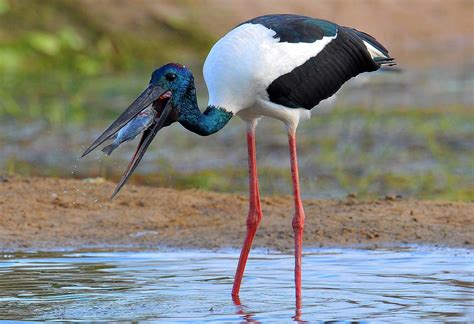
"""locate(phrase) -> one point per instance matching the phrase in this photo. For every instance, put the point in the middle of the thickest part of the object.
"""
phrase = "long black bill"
(147, 97)
(145, 141)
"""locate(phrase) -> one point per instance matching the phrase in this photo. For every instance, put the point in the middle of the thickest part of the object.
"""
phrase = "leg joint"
(254, 218)
(298, 224)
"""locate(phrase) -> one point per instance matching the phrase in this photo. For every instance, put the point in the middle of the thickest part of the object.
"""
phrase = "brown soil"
(47, 213)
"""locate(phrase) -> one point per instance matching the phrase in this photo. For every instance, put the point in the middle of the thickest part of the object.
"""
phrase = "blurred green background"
(67, 68)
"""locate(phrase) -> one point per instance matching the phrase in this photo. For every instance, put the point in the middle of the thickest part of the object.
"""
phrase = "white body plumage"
(242, 64)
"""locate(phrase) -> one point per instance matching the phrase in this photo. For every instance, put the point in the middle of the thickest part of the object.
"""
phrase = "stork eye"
(170, 77)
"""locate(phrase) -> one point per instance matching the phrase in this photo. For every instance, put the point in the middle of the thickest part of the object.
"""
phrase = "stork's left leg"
(298, 220)
(255, 210)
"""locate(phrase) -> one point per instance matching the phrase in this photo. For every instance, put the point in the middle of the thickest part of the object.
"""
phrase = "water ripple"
(416, 283)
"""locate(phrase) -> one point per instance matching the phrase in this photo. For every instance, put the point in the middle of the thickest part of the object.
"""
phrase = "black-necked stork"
(278, 66)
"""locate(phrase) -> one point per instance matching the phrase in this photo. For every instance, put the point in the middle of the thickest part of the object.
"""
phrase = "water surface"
(413, 283)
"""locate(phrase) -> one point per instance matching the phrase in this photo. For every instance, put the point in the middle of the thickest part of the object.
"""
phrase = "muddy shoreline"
(49, 213)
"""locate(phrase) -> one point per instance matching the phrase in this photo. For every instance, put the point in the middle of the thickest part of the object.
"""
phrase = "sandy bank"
(48, 213)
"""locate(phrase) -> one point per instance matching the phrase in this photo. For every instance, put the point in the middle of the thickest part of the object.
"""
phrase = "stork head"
(168, 88)
(174, 80)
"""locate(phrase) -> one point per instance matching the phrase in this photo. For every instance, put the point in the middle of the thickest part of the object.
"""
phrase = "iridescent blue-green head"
(177, 81)
(172, 94)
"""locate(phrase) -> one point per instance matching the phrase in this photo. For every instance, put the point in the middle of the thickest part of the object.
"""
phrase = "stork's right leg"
(255, 210)
(298, 219)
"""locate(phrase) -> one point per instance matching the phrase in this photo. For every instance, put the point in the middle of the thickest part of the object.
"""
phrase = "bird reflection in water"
(248, 317)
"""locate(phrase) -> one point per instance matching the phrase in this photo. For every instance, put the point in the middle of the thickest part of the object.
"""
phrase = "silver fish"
(134, 127)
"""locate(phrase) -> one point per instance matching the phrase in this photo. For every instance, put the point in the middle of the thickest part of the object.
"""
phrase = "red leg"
(298, 220)
(255, 211)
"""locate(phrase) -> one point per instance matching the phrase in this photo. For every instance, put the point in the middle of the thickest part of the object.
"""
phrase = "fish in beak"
(134, 127)
(160, 99)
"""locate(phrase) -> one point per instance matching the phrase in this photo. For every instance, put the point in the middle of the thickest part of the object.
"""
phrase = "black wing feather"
(294, 28)
(322, 75)
(369, 39)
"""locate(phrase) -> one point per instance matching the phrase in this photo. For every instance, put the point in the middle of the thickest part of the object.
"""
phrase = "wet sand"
(48, 213)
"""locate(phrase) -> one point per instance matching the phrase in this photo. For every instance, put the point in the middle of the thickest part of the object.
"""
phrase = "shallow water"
(407, 284)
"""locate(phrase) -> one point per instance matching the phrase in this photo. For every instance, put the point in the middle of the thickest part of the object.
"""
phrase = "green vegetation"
(50, 51)
(418, 152)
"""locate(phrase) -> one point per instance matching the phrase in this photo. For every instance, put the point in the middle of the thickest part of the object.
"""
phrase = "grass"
(421, 153)
(51, 50)
(417, 152)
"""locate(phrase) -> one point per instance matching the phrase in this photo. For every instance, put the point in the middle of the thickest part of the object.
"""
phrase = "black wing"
(322, 75)
(295, 28)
